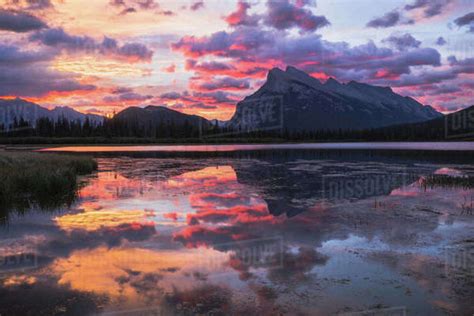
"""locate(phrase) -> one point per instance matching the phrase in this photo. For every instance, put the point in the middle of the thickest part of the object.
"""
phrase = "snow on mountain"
(11, 109)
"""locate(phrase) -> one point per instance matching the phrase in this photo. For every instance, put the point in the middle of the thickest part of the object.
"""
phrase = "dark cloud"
(466, 20)
(12, 55)
(443, 89)
(197, 5)
(217, 96)
(167, 13)
(465, 66)
(246, 49)
(19, 22)
(310, 52)
(127, 11)
(127, 96)
(26, 73)
(134, 96)
(133, 6)
(120, 90)
(147, 4)
(211, 66)
(31, 4)
(58, 38)
(117, 3)
(402, 42)
(196, 105)
(395, 17)
(139, 4)
(171, 95)
(284, 15)
(34, 81)
(240, 16)
(440, 41)
(387, 20)
(133, 50)
(430, 7)
(228, 83)
(198, 100)
(238, 43)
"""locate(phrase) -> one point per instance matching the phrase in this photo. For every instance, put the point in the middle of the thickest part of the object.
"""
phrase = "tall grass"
(446, 181)
(39, 180)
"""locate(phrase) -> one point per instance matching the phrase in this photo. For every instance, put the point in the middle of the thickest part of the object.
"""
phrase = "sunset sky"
(203, 57)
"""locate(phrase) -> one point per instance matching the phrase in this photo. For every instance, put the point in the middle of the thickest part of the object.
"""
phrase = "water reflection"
(276, 234)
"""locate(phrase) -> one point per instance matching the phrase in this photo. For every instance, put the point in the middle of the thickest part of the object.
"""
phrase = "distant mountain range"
(155, 117)
(289, 100)
(11, 109)
(297, 101)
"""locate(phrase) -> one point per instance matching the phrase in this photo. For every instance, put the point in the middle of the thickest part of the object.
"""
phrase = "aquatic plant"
(39, 180)
(465, 182)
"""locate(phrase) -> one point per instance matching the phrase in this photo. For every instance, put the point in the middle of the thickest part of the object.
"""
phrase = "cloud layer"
(19, 22)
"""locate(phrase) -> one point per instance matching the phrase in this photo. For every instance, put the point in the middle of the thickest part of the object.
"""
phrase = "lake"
(294, 229)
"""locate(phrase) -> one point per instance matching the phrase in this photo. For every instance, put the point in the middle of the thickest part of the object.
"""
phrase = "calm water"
(438, 146)
(293, 232)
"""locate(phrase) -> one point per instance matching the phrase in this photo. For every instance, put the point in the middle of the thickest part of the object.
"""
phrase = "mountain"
(31, 112)
(295, 101)
(457, 126)
(156, 117)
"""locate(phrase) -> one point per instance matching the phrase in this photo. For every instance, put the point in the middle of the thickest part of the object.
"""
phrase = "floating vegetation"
(446, 181)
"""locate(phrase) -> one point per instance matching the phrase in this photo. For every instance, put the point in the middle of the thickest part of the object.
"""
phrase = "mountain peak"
(153, 107)
(331, 81)
(294, 70)
(276, 73)
(31, 112)
(302, 76)
(355, 83)
(307, 104)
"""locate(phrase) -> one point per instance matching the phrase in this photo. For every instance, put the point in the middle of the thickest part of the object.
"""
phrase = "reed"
(446, 181)
(40, 180)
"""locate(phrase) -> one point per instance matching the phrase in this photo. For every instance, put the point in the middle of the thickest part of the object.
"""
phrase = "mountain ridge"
(307, 104)
(11, 109)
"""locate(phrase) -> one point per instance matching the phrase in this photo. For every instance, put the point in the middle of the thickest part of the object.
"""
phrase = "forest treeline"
(110, 129)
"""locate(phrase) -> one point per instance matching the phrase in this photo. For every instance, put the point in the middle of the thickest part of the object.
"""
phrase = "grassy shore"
(39, 180)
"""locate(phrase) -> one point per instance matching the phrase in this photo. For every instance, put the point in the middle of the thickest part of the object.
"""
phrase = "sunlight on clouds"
(94, 220)
(93, 66)
(15, 280)
(84, 270)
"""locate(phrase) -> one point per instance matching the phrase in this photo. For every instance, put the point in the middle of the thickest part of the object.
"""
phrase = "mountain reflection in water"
(282, 233)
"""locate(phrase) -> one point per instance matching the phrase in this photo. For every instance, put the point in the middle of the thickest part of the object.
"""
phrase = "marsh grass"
(447, 181)
(45, 181)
